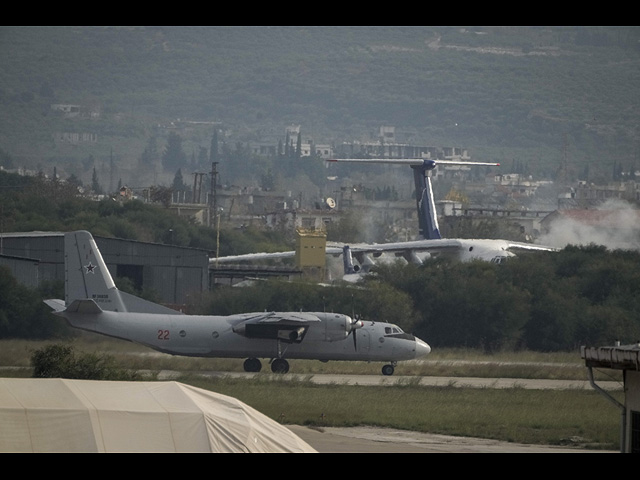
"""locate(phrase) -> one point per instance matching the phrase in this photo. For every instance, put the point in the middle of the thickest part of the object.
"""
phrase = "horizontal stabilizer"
(55, 304)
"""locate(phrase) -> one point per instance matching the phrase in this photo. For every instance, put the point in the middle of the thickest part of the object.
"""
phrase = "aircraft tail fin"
(88, 278)
(347, 259)
(427, 215)
(87, 275)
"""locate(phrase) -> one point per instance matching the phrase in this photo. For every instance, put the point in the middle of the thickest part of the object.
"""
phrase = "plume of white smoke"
(617, 228)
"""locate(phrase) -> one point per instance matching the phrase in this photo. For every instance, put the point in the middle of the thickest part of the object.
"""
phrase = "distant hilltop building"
(75, 137)
(68, 110)
(375, 149)
(72, 110)
(292, 132)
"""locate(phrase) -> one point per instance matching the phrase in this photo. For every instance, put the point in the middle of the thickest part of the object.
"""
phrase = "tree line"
(559, 301)
(581, 295)
(585, 295)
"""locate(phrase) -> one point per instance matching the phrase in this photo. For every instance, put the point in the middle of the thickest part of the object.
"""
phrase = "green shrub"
(60, 361)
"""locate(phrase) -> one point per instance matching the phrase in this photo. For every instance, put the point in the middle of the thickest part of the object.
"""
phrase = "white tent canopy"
(58, 415)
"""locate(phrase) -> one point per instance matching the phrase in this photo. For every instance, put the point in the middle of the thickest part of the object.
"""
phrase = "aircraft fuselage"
(214, 336)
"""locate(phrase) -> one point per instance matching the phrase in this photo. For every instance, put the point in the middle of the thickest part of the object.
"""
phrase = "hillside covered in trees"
(556, 100)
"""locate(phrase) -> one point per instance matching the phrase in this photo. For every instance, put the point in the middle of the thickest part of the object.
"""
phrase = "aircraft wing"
(336, 249)
(436, 245)
(530, 246)
(289, 327)
(252, 257)
(431, 246)
(415, 251)
(408, 250)
(282, 317)
(413, 161)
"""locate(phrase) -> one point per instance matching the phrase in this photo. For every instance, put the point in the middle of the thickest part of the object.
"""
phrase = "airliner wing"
(408, 250)
(413, 161)
(248, 257)
(428, 246)
(530, 246)
(463, 249)
(336, 249)
(436, 245)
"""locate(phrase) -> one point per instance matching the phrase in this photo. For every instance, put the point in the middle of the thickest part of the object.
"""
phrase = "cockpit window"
(392, 330)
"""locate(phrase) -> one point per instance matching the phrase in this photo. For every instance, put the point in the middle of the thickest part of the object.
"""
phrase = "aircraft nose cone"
(422, 348)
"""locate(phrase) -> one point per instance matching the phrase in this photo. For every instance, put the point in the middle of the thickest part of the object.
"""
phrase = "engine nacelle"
(333, 328)
(294, 335)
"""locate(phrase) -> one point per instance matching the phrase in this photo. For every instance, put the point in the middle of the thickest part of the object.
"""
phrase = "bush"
(60, 361)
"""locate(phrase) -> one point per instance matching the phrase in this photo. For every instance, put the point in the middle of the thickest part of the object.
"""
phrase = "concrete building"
(311, 258)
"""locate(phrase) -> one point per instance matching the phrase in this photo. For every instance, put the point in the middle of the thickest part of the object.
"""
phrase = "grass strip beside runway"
(543, 417)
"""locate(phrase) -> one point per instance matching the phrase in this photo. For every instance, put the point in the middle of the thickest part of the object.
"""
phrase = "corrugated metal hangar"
(172, 272)
(25, 270)
(627, 359)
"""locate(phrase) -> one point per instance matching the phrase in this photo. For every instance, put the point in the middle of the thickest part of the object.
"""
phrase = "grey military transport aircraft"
(94, 303)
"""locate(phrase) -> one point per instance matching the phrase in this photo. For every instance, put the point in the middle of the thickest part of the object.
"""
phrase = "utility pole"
(213, 200)
(111, 172)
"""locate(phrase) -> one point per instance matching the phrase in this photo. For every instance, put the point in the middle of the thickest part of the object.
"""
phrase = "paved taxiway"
(388, 440)
(381, 380)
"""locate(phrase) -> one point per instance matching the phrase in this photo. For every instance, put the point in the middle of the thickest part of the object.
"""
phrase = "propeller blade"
(355, 324)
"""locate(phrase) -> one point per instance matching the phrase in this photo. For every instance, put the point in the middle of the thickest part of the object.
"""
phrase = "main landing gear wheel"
(252, 365)
(388, 370)
(279, 365)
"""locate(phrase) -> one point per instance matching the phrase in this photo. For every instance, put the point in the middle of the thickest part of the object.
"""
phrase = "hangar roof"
(625, 357)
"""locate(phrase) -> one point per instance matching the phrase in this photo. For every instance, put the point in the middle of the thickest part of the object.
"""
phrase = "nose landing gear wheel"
(388, 370)
(280, 365)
